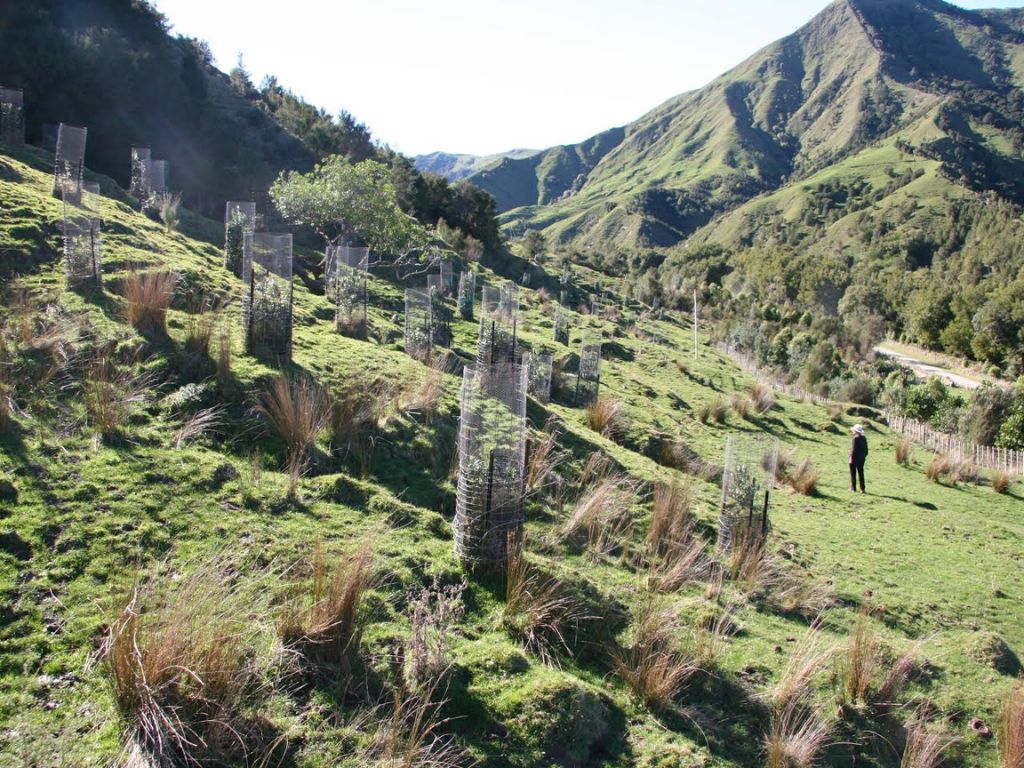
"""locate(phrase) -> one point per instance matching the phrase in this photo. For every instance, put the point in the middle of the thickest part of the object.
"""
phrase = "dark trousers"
(857, 470)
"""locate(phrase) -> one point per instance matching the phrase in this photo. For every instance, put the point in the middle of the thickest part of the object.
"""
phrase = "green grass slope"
(83, 517)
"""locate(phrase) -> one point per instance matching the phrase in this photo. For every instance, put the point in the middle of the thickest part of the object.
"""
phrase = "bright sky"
(484, 76)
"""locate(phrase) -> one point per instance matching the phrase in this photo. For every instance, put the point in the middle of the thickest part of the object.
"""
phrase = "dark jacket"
(859, 450)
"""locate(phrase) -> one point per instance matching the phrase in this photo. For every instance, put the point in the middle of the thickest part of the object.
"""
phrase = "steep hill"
(454, 167)
(944, 83)
(122, 515)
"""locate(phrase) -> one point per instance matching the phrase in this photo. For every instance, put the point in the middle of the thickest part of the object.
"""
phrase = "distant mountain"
(869, 92)
(455, 167)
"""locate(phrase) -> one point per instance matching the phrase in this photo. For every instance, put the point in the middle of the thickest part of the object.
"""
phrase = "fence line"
(988, 456)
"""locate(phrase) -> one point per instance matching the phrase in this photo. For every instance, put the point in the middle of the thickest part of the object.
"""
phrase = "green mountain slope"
(454, 166)
(84, 516)
(945, 80)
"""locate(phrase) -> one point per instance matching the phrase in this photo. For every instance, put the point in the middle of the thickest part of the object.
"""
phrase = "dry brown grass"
(359, 413)
(147, 296)
(1011, 729)
(719, 410)
(801, 593)
(742, 406)
(784, 461)
(1001, 481)
(672, 519)
(412, 736)
(603, 513)
(423, 397)
(938, 468)
(198, 424)
(687, 562)
(762, 397)
(539, 611)
(898, 677)
(808, 661)
(297, 410)
(323, 623)
(925, 747)
(859, 660)
(904, 452)
(803, 478)
(545, 457)
(750, 565)
(181, 666)
(797, 736)
(111, 393)
(703, 414)
(606, 416)
(965, 471)
(710, 639)
(653, 668)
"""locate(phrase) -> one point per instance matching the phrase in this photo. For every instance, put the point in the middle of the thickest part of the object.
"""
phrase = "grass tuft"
(147, 297)
(803, 479)
(606, 416)
(297, 410)
(904, 452)
(1011, 729)
(1001, 481)
(652, 666)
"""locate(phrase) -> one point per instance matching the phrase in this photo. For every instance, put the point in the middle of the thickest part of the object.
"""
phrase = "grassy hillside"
(862, 72)
(88, 512)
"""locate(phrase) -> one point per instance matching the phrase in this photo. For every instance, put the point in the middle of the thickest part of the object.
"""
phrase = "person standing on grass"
(858, 455)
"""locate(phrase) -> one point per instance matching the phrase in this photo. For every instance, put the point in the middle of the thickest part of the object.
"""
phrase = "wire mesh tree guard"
(418, 333)
(747, 483)
(440, 313)
(588, 377)
(138, 184)
(467, 294)
(69, 158)
(345, 272)
(12, 116)
(492, 457)
(447, 277)
(499, 316)
(267, 294)
(157, 181)
(561, 327)
(540, 365)
(83, 267)
(239, 220)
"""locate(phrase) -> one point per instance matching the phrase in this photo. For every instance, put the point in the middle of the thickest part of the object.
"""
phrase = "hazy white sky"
(483, 76)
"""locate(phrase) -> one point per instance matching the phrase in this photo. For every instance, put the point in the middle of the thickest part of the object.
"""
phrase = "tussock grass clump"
(167, 205)
(323, 623)
(925, 747)
(801, 593)
(412, 736)
(904, 452)
(683, 366)
(750, 565)
(796, 738)
(539, 611)
(719, 411)
(422, 398)
(938, 468)
(762, 397)
(859, 660)
(147, 297)
(297, 410)
(198, 424)
(1011, 729)
(803, 479)
(784, 461)
(182, 665)
(653, 668)
(808, 661)
(742, 406)
(111, 394)
(602, 513)
(672, 520)
(965, 472)
(545, 457)
(1001, 481)
(606, 416)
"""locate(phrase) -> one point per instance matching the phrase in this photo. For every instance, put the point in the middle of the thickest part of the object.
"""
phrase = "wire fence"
(69, 158)
(267, 299)
(12, 116)
(988, 456)
(239, 219)
(748, 479)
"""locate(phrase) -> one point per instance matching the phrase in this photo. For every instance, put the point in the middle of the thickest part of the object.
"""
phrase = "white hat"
(858, 429)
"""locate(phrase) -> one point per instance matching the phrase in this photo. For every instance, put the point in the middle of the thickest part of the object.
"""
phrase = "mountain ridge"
(848, 78)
